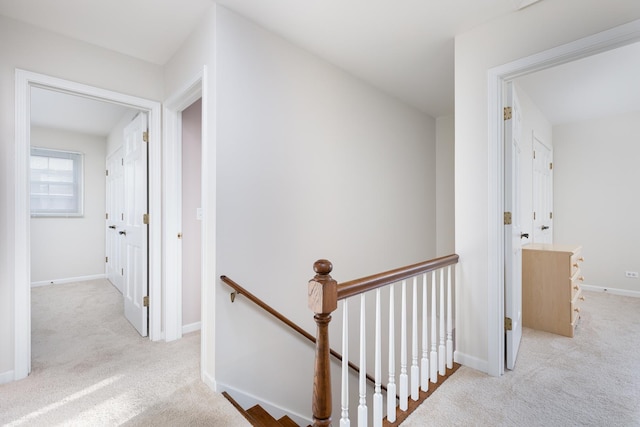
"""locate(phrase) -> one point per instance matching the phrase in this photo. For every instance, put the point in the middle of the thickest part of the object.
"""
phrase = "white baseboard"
(471, 361)
(210, 381)
(6, 377)
(68, 280)
(615, 291)
(247, 400)
(192, 327)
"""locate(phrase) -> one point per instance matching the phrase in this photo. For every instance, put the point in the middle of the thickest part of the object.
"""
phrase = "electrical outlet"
(631, 274)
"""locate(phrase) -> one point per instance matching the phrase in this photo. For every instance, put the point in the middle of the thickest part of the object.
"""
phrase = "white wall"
(66, 248)
(542, 26)
(191, 202)
(596, 196)
(48, 53)
(445, 185)
(312, 164)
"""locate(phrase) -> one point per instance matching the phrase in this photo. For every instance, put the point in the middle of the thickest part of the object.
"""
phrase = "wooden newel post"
(323, 300)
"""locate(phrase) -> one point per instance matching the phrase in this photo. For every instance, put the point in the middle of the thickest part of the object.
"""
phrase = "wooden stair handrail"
(324, 293)
(251, 297)
(369, 283)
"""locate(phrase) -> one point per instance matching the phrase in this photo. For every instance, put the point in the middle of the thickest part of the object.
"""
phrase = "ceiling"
(74, 113)
(597, 86)
(403, 48)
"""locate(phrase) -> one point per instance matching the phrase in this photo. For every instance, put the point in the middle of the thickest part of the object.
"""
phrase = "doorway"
(498, 77)
(25, 81)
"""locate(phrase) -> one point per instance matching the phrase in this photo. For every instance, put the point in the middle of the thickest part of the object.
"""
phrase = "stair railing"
(239, 290)
(437, 356)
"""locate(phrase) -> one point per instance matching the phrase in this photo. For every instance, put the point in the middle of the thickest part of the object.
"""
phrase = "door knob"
(112, 226)
(545, 227)
(524, 235)
(123, 233)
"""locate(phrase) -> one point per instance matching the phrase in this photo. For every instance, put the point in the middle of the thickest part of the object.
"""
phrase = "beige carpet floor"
(91, 368)
(592, 379)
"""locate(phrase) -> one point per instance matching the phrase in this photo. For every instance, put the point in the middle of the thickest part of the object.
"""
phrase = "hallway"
(90, 367)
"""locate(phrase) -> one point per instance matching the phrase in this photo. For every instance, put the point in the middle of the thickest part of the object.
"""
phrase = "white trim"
(470, 361)
(208, 224)
(247, 400)
(615, 291)
(21, 273)
(191, 327)
(600, 42)
(6, 377)
(68, 280)
(210, 382)
(172, 184)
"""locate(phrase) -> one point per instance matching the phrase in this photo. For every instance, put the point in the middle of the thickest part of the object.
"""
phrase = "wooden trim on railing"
(358, 286)
(242, 291)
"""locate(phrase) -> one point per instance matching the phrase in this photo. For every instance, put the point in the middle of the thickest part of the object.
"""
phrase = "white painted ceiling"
(597, 86)
(74, 113)
(403, 47)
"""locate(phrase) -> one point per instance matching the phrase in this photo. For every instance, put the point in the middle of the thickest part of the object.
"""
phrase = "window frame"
(77, 184)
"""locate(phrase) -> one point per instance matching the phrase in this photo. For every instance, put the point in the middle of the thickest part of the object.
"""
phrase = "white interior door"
(134, 230)
(542, 192)
(512, 245)
(114, 218)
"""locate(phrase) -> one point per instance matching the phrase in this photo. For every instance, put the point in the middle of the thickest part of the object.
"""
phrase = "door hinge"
(507, 218)
(507, 113)
(122, 271)
(551, 166)
(534, 216)
(145, 136)
(145, 302)
(106, 216)
(106, 259)
(534, 154)
(550, 215)
(107, 172)
(145, 219)
(508, 324)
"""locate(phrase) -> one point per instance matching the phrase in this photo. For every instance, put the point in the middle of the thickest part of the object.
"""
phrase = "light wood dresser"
(551, 290)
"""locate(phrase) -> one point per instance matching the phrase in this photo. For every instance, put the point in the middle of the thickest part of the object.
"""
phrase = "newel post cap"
(322, 289)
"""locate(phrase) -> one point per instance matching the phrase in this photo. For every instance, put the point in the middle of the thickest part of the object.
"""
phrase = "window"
(56, 182)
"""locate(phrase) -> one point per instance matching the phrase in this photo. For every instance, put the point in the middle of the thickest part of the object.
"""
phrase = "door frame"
(192, 90)
(24, 81)
(497, 77)
(172, 155)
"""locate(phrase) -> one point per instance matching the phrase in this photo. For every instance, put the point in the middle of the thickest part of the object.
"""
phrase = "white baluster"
(415, 371)
(391, 385)
(449, 322)
(377, 395)
(344, 419)
(441, 348)
(404, 379)
(424, 362)
(433, 356)
(362, 407)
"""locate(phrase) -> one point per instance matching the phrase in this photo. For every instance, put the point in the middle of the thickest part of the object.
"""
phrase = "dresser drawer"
(575, 309)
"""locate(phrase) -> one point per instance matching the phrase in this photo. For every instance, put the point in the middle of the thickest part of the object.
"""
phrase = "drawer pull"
(577, 309)
(581, 278)
(581, 259)
(576, 287)
(581, 298)
(576, 265)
